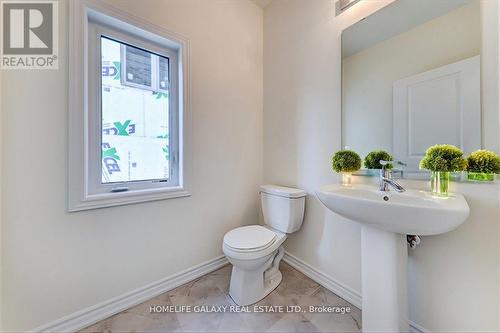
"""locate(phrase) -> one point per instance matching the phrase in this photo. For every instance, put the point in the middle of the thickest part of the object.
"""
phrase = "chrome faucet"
(386, 178)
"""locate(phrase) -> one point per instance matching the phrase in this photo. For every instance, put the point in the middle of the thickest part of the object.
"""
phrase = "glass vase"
(480, 177)
(439, 183)
(346, 178)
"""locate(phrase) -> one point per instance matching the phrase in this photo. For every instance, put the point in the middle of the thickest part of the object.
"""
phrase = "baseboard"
(89, 316)
(338, 288)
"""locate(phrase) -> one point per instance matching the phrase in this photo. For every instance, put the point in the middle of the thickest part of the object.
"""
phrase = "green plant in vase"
(482, 165)
(372, 160)
(346, 162)
(441, 160)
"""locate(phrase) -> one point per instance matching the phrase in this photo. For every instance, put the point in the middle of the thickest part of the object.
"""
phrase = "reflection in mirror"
(411, 79)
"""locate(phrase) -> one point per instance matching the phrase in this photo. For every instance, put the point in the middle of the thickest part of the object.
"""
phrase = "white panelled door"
(439, 106)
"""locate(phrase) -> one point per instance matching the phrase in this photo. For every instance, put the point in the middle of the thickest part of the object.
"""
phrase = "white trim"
(78, 197)
(91, 315)
(336, 287)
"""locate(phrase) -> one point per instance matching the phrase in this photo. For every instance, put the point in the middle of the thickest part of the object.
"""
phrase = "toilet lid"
(249, 238)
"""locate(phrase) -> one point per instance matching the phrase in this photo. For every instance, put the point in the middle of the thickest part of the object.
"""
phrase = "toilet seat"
(261, 246)
(250, 238)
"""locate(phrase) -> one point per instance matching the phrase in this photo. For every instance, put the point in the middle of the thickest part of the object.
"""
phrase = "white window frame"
(91, 19)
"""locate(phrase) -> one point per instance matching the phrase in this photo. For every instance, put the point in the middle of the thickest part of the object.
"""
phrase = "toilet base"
(269, 287)
(250, 286)
(273, 283)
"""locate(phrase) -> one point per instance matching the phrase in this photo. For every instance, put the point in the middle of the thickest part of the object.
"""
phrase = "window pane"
(163, 75)
(135, 129)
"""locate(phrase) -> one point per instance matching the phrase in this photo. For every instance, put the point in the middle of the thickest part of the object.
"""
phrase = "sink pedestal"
(384, 257)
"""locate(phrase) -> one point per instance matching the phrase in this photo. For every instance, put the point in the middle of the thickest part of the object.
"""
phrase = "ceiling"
(262, 3)
(398, 17)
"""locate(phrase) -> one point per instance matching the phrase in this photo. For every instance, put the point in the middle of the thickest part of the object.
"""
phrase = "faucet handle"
(384, 162)
(385, 169)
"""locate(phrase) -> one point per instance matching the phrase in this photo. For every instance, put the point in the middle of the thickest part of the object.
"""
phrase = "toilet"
(255, 251)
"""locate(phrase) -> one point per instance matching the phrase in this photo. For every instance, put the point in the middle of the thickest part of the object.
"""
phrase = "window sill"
(103, 200)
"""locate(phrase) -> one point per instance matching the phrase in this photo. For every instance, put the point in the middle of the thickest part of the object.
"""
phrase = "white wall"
(368, 75)
(454, 278)
(57, 262)
(302, 124)
(302, 129)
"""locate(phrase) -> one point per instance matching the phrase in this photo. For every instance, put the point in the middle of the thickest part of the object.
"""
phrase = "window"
(132, 100)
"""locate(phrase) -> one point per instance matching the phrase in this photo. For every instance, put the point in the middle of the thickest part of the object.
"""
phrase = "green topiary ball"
(483, 161)
(373, 158)
(446, 158)
(346, 161)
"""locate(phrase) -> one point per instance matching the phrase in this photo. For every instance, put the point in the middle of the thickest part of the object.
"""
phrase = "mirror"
(411, 79)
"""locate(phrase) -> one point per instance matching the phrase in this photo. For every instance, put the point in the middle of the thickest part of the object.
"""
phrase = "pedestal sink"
(386, 219)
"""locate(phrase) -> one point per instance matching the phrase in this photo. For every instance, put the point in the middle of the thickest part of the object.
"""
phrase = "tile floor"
(213, 288)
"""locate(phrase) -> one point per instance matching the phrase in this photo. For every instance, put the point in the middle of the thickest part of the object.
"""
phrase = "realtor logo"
(29, 34)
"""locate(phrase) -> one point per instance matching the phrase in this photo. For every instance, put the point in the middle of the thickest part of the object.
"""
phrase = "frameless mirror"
(411, 79)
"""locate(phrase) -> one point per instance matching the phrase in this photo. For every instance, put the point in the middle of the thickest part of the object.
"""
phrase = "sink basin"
(386, 218)
(411, 212)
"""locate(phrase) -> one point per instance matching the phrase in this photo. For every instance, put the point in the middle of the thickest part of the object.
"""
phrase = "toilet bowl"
(255, 251)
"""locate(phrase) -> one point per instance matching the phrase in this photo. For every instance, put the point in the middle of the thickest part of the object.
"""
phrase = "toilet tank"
(283, 207)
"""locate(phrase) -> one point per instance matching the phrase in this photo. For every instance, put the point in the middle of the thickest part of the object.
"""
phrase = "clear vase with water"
(440, 181)
(346, 178)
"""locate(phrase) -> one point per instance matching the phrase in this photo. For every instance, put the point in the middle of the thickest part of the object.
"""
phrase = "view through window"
(135, 114)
